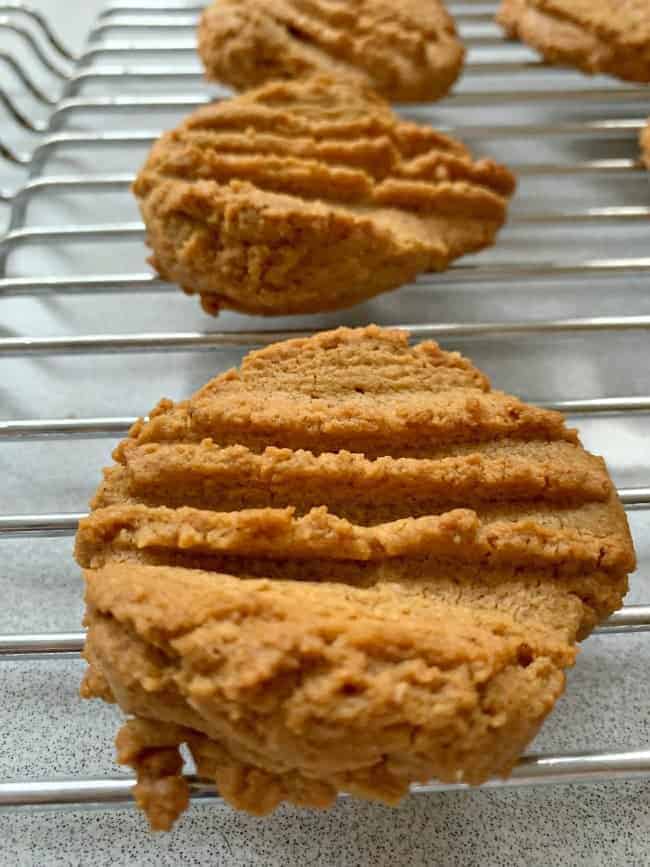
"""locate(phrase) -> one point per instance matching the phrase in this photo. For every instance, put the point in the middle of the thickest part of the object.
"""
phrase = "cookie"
(644, 141)
(596, 36)
(309, 196)
(347, 566)
(407, 52)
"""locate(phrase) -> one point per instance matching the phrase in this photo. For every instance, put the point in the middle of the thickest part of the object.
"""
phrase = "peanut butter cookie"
(308, 196)
(347, 566)
(406, 51)
(610, 36)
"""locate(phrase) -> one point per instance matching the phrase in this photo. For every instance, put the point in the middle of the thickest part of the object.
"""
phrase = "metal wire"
(36, 17)
(532, 770)
(34, 47)
(99, 344)
(69, 73)
(19, 430)
(152, 22)
(112, 183)
(631, 618)
(137, 104)
(66, 523)
(153, 19)
(608, 128)
(462, 273)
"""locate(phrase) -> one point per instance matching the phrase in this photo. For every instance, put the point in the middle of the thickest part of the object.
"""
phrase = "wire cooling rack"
(558, 311)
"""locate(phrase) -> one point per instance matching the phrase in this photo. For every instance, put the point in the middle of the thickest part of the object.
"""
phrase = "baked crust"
(349, 565)
(407, 52)
(607, 36)
(309, 196)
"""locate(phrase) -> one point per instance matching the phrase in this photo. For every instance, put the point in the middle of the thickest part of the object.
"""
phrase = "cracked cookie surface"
(310, 196)
(407, 52)
(348, 565)
(596, 36)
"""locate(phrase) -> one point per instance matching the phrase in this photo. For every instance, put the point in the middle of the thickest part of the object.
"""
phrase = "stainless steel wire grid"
(558, 311)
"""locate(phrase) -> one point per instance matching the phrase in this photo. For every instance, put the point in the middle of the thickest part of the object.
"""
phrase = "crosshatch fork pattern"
(138, 67)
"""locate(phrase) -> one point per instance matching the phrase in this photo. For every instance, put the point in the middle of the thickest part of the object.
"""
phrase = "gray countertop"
(47, 731)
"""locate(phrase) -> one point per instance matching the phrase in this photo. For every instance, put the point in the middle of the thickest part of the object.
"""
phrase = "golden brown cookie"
(644, 141)
(407, 51)
(608, 36)
(308, 196)
(347, 566)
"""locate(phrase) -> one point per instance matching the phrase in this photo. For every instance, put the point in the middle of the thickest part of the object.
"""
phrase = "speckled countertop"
(46, 731)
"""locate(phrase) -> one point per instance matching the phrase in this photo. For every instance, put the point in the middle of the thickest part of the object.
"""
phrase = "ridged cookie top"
(309, 196)
(347, 566)
(407, 51)
(611, 36)
(627, 22)
(325, 141)
(352, 456)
